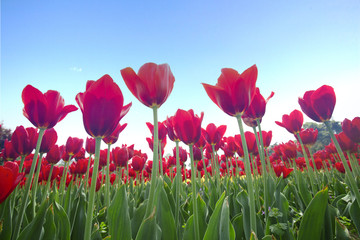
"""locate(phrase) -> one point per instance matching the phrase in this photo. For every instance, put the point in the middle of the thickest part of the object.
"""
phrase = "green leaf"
(35, 228)
(341, 231)
(118, 216)
(313, 220)
(149, 229)
(212, 231)
(329, 224)
(304, 191)
(62, 222)
(237, 223)
(139, 214)
(189, 233)
(49, 225)
(6, 219)
(164, 215)
(79, 217)
(354, 214)
(226, 228)
(202, 211)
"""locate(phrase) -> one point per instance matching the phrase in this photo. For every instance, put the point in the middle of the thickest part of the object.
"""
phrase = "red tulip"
(182, 155)
(256, 110)
(103, 158)
(308, 136)
(44, 110)
(345, 143)
(113, 137)
(202, 142)
(250, 142)
(138, 163)
(9, 179)
(73, 145)
(151, 144)
(267, 136)
(319, 104)
(233, 92)
(170, 129)
(292, 122)
(152, 85)
(230, 147)
(102, 106)
(187, 126)
(340, 167)
(289, 150)
(213, 134)
(352, 129)
(9, 153)
(162, 130)
(24, 140)
(90, 145)
(49, 140)
(55, 153)
(120, 156)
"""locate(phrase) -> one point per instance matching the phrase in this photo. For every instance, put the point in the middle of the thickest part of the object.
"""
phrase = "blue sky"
(297, 46)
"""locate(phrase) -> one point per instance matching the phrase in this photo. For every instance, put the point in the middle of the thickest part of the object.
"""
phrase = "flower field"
(217, 187)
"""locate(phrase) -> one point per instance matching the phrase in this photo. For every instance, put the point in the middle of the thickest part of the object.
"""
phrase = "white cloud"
(76, 69)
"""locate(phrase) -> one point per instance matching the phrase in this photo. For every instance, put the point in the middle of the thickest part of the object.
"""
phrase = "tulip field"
(213, 186)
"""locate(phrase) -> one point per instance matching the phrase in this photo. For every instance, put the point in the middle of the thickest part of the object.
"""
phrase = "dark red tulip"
(102, 106)
(49, 140)
(103, 158)
(287, 171)
(81, 166)
(256, 110)
(170, 129)
(197, 153)
(345, 143)
(44, 110)
(152, 85)
(80, 154)
(45, 171)
(292, 122)
(187, 126)
(250, 142)
(9, 153)
(162, 130)
(9, 179)
(113, 137)
(213, 134)
(308, 136)
(319, 104)
(352, 129)
(182, 155)
(138, 163)
(55, 153)
(340, 167)
(201, 143)
(267, 136)
(289, 150)
(230, 147)
(73, 145)
(151, 144)
(233, 92)
(120, 156)
(90, 145)
(24, 140)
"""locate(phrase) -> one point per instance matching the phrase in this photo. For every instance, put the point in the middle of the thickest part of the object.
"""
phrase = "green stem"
(36, 183)
(107, 188)
(48, 183)
(88, 223)
(194, 194)
(178, 190)
(310, 170)
(64, 177)
(87, 173)
(155, 166)
(349, 174)
(217, 169)
(203, 160)
(160, 160)
(249, 180)
(27, 186)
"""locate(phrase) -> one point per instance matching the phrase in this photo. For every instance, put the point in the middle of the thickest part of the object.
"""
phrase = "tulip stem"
(155, 166)
(194, 194)
(349, 174)
(88, 223)
(35, 183)
(27, 186)
(64, 178)
(160, 159)
(87, 172)
(248, 174)
(178, 190)
(107, 188)
(48, 183)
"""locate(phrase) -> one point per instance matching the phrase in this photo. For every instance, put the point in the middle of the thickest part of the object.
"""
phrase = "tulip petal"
(323, 102)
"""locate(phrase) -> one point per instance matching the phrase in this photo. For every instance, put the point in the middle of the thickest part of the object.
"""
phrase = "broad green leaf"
(35, 228)
(164, 215)
(62, 222)
(313, 220)
(202, 212)
(79, 217)
(149, 229)
(226, 228)
(139, 214)
(49, 226)
(342, 233)
(237, 223)
(329, 224)
(118, 216)
(6, 219)
(212, 231)
(304, 191)
(189, 233)
(355, 215)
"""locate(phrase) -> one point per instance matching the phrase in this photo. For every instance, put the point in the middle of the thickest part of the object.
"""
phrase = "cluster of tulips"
(233, 187)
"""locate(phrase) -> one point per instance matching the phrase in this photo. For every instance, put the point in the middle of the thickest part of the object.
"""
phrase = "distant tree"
(5, 133)
(323, 135)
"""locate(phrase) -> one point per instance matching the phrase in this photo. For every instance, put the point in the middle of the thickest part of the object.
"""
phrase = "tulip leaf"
(62, 222)
(189, 233)
(312, 222)
(237, 223)
(164, 215)
(149, 229)
(138, 216)
(35, 227)
(6, 219)
(226, 228)
(342, 233)
(118, 216)
(49, 226)
(213, 231)
(354, 214)
(304, 191)
(78, 216)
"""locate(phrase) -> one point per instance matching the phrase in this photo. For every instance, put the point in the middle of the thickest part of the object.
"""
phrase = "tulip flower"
(90, 145)
(308, 136)
(44, 110)
(113, 137)
(187, 126)
(233, 92)
(319, 104)
(213, 134)
(352, 129)
(9, 179)
(292, 122)
(152, 85)
(9, 153)
(73, 145)
(267, 136)
(49, 140)
(120, 156)
(24, 140)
